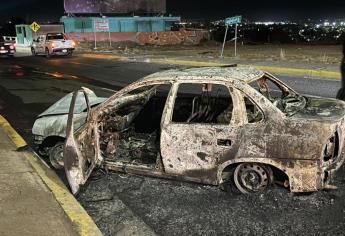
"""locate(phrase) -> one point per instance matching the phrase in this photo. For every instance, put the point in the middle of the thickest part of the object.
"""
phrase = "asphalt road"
(28, 85)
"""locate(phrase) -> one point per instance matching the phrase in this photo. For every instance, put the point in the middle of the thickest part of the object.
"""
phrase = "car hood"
(62, 106)
(323, 109)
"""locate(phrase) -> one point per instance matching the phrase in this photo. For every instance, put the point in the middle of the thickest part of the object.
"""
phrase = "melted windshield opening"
(284, 98)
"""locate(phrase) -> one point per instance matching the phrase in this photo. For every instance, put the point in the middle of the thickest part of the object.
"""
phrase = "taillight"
(332, 148)
(12, 47)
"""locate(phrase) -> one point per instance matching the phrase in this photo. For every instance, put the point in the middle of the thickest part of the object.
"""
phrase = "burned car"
(49, 129)
(213, 126)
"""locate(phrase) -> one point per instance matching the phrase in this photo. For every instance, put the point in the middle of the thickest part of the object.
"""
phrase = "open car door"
(80, 151)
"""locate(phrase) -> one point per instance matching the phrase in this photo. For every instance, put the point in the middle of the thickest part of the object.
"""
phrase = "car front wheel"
(56, 156)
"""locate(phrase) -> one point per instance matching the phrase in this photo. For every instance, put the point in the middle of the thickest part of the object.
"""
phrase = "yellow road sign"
(34, 26)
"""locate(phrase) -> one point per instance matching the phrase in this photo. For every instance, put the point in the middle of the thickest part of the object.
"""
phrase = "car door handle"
(224, 142)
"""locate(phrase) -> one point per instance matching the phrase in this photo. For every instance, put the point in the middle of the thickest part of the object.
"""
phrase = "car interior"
(131, 133)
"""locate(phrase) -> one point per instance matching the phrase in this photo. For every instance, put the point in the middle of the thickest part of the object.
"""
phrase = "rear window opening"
(55, 36)
(281, 96)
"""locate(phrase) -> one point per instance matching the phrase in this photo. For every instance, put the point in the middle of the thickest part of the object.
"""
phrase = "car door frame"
(78, 165)
(172, 156)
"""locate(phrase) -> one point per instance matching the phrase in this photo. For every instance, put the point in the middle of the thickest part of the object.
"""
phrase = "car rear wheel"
(56, 155)
(252, 177)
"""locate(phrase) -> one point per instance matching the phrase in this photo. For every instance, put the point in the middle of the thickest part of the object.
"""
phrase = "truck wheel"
(33, 52)
(252, 177)
(47, 53)
(56, 156)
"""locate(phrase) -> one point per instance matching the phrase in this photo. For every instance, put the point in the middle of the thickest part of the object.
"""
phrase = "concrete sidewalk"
(27, 207)
(33, 201)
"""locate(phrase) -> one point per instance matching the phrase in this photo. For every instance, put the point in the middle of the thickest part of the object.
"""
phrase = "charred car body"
(212, 126)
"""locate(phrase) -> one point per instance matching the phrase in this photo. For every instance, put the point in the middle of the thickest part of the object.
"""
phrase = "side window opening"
(131, 133)
(254, 114)
(203, 103)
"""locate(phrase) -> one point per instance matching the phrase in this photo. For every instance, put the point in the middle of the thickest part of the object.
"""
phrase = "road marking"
(100, 56)
(83, 223)
(81, 63)
(273, 69)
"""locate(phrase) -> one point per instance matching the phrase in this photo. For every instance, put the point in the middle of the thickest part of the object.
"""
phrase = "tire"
(70, 54)
(252, 177)
(228, 184)
(56, 155)
(48, 55)
(33, 52)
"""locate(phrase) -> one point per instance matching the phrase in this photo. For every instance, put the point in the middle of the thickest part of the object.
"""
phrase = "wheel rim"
(251, 177)
(56, 157)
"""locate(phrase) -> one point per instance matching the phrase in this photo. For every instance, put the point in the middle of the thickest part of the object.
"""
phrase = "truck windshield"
(55, 36)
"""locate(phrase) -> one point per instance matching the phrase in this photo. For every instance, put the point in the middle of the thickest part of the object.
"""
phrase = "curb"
(271, 69)
(81, 221)
(309, 73)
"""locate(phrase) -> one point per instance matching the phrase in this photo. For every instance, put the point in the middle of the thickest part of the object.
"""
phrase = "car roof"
(244, 74)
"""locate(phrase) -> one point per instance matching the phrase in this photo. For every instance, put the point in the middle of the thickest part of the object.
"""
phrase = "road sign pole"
(95, 41)
(109, 38)
(236, 41)
(94, 32)
(226, 33)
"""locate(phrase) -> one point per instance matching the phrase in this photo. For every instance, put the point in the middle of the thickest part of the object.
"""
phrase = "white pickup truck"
(52, 44)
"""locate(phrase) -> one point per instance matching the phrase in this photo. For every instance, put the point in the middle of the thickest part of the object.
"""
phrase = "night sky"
(195, 9)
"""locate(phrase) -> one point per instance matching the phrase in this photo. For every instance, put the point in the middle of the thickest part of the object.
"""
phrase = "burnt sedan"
(238, 127)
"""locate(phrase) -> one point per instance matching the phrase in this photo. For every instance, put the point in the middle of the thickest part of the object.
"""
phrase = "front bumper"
(7, 52)
(62, 51)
